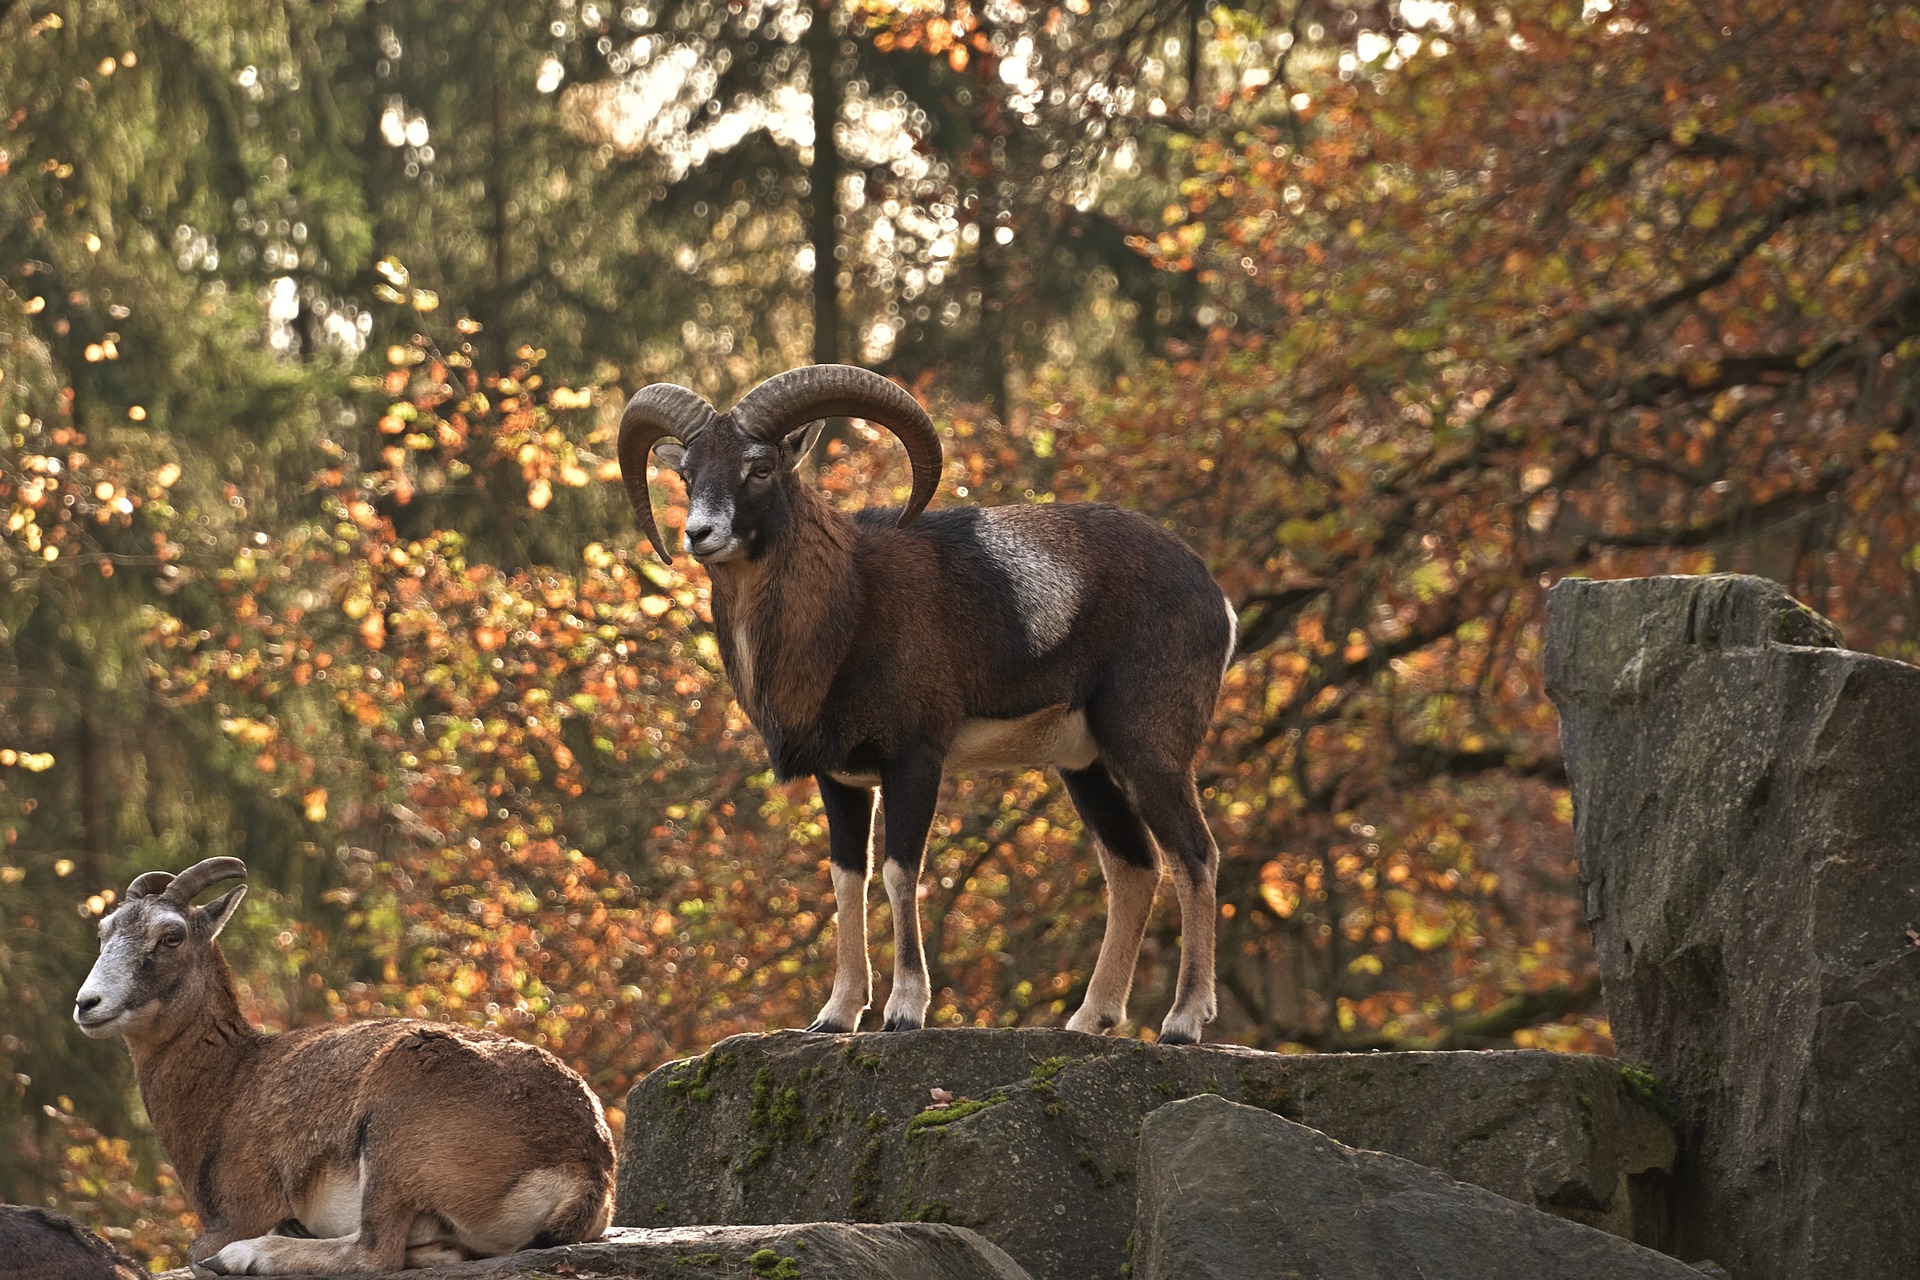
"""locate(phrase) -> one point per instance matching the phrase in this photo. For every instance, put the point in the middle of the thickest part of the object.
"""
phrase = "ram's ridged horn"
(788, 401)
(187, 885)
(655, 413)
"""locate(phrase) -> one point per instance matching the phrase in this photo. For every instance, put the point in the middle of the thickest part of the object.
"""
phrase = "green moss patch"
(938, 1117)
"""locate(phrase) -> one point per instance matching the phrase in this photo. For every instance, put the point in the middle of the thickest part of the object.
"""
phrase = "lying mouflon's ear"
(670, 454)
(216, 913)
(799, 444)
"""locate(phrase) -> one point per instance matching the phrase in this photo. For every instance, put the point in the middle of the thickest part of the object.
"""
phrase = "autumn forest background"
(316, 320)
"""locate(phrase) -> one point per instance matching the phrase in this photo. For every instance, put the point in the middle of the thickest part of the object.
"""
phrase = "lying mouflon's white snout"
(103, 998)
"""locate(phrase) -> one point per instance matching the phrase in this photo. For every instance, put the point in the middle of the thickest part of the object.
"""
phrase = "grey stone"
(1231, 1192)
(40, 1244)
(1037, 1151)
(809, 1251)
(1747, 816)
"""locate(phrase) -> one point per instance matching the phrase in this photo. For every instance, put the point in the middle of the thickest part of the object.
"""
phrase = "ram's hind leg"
(1170, 803)
(849, 813)
(1132, 871)
(909, 788)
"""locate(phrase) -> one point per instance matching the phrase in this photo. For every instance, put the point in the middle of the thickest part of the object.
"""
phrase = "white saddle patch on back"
(1046, 588)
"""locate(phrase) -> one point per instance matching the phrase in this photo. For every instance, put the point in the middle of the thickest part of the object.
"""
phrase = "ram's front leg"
(908, 789)
(849, 839)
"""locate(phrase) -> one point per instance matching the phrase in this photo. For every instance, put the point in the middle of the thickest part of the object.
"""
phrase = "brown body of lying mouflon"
(366, 1146)
(876, 651)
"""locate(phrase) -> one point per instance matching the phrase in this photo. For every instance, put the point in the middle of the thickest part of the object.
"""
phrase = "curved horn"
(187, 885)
(148, 883)
(788, 401)
(654, 413)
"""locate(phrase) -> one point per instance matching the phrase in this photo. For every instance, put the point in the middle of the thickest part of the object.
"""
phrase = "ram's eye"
(760, 470)
(172, 939)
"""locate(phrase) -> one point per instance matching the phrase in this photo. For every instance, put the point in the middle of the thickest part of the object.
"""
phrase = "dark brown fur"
(864, 652)
(866, 637)
(879, 650)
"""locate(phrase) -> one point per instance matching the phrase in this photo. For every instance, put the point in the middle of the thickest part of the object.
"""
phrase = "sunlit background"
(316, 320)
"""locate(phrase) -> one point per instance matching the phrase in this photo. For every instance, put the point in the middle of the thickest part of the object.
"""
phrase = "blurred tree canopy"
(316, 320)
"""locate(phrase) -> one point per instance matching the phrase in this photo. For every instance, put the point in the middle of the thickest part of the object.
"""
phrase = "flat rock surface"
(822, 1250)
(1746, 801)
(1230, 1192)
(1037, 1148)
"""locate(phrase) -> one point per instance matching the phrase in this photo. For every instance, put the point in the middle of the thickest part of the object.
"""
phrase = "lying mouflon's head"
(156, 952)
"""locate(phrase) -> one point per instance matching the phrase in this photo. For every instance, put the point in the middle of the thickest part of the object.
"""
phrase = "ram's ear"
(215, 914)
(670, 454)
(799, 444)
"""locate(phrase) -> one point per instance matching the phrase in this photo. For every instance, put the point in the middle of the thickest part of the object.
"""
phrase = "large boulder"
(1230, 1192)
(840, 1250)
(1746, 801)
(39, 1244)
(1037, 1148)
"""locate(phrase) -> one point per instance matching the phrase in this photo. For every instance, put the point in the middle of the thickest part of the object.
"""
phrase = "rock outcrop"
(1230, 1192)
(1747, 818)
(826, 1250)
(39, 1244)
(1037, 1150)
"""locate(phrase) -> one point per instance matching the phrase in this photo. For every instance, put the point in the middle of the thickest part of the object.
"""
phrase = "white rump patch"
(524, 1212)
(1046, 587)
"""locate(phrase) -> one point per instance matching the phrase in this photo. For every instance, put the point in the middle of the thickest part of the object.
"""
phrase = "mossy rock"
(1032, 1139)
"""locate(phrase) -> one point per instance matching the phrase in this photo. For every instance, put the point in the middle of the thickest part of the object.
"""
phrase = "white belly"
(330, 1205)
(1050, 736)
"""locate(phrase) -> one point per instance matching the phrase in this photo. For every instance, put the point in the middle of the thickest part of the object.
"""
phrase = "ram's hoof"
(828, 1028)
(900, 1024)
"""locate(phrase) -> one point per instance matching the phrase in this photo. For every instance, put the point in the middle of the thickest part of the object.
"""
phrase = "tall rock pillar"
(1746, 800)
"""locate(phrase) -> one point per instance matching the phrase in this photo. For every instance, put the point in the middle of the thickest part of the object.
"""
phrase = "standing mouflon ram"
(397, 1143)
(877, 650)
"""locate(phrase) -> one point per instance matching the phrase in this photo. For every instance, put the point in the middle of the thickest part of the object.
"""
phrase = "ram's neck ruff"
(785, 618)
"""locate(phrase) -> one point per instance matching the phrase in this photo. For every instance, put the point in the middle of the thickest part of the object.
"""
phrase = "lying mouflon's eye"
(760, 470)
(172, 939)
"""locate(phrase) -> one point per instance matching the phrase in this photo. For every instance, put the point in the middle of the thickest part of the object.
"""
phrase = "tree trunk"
(823, 212)
(500, 479)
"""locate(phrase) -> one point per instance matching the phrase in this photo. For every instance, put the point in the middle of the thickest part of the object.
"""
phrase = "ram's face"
(737, 499)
